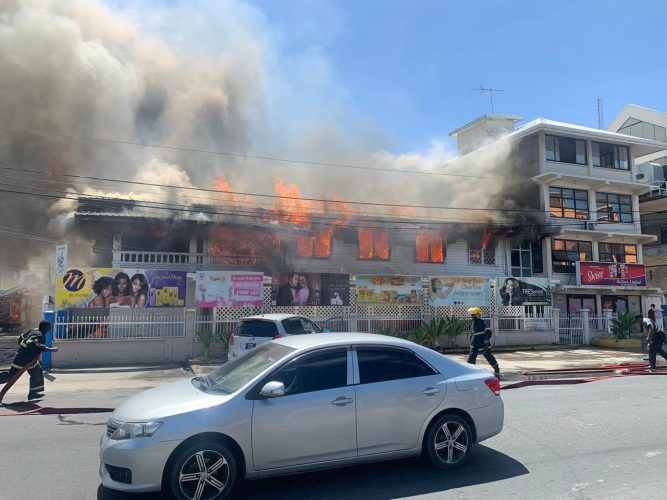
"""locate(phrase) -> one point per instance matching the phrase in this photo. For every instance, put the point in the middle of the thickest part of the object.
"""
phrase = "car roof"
(272, 317)
(338, 338)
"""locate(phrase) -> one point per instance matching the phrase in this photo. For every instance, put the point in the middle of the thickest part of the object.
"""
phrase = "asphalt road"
(601, 440)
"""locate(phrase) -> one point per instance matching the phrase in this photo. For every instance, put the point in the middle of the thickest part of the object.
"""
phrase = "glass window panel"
(581, 152)
(560, 244)
(581, 204)
(660, 134)
(550, 147)
(581, 195)
(554, 190)
(630, 249)
(556, 212)
(568, 193)
(626, 217)
(600, 197)
(567, 150)
(625, 199)
(636, 130)
(555, 202)
(570, 245)
(516, 259)
(596, 154)
(613, 198)
(568, 203)
(648, 130)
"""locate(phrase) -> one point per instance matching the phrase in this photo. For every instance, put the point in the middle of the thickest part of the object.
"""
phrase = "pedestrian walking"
(654, 341)
(481, 340)
(31, 345)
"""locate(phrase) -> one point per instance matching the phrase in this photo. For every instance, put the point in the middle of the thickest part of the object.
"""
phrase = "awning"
(606, 236)
(611, 290)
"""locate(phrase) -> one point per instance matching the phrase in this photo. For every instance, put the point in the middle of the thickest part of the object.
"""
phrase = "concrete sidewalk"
(138, 378)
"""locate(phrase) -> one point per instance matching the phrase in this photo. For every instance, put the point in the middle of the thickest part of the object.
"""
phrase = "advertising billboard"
(464, 291)
(377, 289)
(523, 291)
(611, 273)
(310, 289)
(125, 288)
(229, 289)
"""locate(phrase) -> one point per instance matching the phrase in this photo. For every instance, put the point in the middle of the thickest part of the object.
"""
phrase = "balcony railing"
(657, 189)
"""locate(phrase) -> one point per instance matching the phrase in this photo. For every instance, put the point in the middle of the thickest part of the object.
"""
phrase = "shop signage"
(123, 288)
(383, 289)
(611, 273)
(466, 291)
(523, 291)
(230, 289)
(310, 289)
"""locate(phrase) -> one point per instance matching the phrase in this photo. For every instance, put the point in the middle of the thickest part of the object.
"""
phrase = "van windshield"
(236, 373)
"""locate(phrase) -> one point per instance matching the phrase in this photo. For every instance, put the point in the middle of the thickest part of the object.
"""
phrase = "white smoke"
(207, 76)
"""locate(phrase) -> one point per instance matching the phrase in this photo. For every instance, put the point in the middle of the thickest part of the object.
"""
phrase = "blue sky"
(408, 67)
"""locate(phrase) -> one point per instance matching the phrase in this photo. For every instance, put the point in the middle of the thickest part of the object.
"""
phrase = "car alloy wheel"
(449, 442)
(203, 472)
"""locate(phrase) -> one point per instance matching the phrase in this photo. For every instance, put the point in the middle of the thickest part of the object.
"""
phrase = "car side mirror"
(273, 390)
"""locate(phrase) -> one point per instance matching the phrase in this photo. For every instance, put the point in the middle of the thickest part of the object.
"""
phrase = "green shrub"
(622, 326)
(208, 340)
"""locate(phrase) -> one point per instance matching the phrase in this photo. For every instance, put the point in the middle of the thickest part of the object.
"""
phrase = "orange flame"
(373, 244)
(242, 246)
(430, 248)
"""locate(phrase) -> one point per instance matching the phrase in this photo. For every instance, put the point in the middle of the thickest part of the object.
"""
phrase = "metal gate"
(571, 330)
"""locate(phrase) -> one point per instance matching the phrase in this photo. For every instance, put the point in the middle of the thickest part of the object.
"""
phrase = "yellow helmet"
(475, 311)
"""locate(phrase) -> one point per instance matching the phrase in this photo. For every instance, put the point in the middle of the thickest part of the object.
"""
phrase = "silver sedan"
(300, 403)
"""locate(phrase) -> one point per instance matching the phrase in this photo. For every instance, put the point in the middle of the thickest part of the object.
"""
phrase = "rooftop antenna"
(490, 91)
(600, 114)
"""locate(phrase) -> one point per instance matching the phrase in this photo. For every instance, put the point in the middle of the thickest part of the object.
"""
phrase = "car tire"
(448, 442)
(203, 471)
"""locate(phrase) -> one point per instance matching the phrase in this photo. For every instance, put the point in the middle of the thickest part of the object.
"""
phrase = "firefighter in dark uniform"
(31, 345)
(481, 340)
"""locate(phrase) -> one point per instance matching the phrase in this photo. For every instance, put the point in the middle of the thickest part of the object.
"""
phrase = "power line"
(246, 156)
(273, 196)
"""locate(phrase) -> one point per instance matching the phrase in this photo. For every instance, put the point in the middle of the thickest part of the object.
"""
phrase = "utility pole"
(600, 114)
(490, 91)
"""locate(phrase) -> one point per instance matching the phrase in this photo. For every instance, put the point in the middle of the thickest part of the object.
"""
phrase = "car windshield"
(234, 374)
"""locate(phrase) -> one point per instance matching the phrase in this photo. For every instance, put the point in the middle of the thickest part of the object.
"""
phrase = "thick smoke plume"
(78, 69)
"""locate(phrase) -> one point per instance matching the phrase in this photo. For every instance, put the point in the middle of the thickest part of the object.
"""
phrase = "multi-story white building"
(639, 121)
(591, 239)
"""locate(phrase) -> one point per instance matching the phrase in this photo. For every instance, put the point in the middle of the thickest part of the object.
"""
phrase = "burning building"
(567, 212)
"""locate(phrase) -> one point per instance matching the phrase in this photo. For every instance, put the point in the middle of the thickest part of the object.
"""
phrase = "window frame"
(313, 245)
(566, 269)
(616, 148)
(483, 252)
(375, 256)
(254, 393)
(558, 138)
(521, 249)
(610, 253)
(563, 199)
(608, 213)
(429, 244)
(357, 366)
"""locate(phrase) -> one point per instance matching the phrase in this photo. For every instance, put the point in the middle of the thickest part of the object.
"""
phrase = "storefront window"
(566, 253)
(568, 203)
(575, 303)
(618, 252)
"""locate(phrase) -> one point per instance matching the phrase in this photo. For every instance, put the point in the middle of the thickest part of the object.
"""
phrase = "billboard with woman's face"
(523, 291)
(124, 288)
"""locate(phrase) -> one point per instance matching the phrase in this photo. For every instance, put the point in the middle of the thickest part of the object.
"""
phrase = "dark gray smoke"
(73, 68)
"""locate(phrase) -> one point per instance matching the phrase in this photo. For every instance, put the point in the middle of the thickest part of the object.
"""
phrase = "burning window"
(373, 244)
(239, 246)
(318, 245)
(430, 248)
(482, 250)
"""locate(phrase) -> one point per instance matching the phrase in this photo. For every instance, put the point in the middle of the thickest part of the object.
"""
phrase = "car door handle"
(430, 391)
(342, 401)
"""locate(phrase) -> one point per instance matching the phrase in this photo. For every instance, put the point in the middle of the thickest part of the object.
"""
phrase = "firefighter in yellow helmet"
(481, 340)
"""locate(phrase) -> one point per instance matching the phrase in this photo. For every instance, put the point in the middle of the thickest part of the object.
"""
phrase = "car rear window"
(257, 328)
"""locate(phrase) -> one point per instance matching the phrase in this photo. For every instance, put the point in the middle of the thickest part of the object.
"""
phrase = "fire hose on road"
(28, 408)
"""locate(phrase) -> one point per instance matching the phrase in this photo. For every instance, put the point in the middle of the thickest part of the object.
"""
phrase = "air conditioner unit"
(589, 226)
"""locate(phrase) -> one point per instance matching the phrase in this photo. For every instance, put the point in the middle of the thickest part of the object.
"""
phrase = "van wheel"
(448, 442)
(203, 471)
